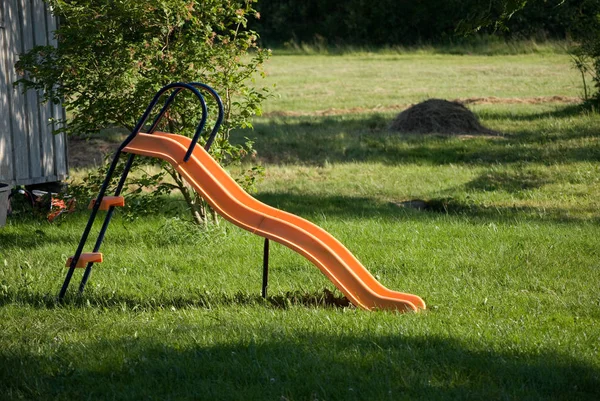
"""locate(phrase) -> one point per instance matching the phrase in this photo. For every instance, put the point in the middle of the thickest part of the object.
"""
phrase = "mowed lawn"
(505, 254)
(313, 83)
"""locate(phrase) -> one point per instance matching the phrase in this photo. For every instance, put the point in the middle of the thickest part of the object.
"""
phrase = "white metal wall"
(29, 152)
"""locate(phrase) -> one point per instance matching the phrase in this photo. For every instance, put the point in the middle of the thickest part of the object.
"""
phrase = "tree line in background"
(408, 22)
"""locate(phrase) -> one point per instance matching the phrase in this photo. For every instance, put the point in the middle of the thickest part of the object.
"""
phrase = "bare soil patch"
(517, 100)
(89, 152)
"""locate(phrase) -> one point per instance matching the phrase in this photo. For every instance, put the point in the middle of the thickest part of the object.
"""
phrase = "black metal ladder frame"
(177, 88)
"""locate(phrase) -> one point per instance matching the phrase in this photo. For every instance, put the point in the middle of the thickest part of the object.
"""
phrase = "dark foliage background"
(410, 22)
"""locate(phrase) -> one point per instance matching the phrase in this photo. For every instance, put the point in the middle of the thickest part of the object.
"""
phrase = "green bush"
(114, 55)
(585, 30)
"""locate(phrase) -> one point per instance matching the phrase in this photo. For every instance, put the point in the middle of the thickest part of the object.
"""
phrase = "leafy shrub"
(113, 56)
(585, 30)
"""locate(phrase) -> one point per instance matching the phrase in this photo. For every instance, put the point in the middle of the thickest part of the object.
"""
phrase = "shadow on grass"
(334, 205)
(200, 299)
(510, 181)
(311, 206)
(270, 365)
(35, 238)
(564, 112)
(315, 140)
(29, 232)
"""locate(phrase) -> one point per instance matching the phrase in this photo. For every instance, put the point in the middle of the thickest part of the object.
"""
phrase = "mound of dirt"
(441, 117)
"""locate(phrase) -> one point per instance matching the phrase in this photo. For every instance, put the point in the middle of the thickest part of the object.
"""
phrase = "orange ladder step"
(108, 201)
(85, 258)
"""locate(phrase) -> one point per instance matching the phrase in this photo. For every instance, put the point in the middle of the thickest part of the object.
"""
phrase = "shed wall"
(29, 151)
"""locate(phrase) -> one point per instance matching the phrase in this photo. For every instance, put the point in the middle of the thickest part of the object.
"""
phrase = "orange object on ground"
(108, 201)
(85, 258)
(234, 204)
(59, 206)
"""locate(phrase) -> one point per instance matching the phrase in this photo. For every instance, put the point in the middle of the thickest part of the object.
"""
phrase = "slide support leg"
(265, 281)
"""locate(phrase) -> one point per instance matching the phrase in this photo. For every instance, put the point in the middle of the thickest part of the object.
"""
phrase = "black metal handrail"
(178, 86)
(220, 116)
(216, 127)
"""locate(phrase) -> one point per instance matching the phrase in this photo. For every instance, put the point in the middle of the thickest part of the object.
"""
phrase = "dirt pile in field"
(441, 117)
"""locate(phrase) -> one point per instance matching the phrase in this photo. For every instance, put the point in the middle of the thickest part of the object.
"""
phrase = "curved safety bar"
(219, 121)
(179, 86)
(217, 125)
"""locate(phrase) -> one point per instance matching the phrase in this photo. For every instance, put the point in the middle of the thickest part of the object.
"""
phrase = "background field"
(321, 82)
(505, 256)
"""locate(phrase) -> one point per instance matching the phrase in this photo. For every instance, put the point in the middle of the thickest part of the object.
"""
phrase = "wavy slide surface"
(233, 203)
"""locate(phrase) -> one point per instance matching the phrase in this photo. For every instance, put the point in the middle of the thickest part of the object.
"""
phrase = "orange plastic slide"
(234, 204)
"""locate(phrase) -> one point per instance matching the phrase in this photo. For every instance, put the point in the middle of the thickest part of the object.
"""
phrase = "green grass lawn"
(505, 255)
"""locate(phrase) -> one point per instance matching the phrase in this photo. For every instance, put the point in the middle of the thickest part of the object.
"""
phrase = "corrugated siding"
(29, 152)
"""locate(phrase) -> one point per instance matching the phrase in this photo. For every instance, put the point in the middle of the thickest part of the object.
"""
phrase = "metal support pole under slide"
(265, 281)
